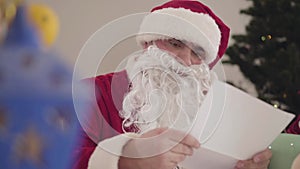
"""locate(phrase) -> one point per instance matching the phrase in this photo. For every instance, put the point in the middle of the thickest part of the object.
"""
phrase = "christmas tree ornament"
(10, 12)
(29, 145)
(45, 19)
(284, 95)
(38, 121)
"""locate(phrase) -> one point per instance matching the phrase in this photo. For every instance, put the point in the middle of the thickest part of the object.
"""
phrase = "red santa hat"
(190, 21)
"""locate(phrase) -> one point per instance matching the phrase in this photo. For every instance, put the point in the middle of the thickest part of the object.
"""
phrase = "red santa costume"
(294, 127)
(103, 133)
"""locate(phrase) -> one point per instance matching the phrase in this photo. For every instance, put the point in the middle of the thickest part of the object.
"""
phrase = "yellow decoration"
(29, 146)
(263, 38)
(269, 37)
(46, 22)
(10, 12)
(284, 95)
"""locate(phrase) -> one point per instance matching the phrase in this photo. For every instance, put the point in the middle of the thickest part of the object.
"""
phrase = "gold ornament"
(46, 22)
(29, 146)
(284, 95)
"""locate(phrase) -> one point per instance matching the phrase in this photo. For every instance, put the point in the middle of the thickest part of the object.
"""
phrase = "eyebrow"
(192, 45)
(173, 39)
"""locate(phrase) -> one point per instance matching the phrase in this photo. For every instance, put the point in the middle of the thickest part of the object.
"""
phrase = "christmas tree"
(268, 54)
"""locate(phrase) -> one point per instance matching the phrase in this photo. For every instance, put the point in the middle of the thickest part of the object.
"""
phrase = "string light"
(267, 37)
(284, 95)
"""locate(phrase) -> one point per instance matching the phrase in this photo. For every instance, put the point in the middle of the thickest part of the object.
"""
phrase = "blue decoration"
(21, 32)
(38, 122)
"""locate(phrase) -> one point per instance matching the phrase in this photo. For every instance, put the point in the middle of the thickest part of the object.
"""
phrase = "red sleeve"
(294, 127)
(104, 120)
(83, 153)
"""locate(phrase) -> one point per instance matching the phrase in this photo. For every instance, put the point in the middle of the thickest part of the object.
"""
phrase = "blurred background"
(80, 19)
(268, 26)
(263, 59)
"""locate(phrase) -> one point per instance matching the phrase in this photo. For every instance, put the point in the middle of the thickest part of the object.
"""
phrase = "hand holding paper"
(232, 126)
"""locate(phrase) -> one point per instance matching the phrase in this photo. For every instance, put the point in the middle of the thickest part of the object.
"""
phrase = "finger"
(182, 149)
(248, 164)
(263, 156)
(265, 164)
(184, 138)
(154, 132)
(175, 157)
(260, 160)
(242, 164)
(190, 141)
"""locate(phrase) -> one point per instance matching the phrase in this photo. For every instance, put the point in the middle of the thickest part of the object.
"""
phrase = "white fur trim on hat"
(182, 24)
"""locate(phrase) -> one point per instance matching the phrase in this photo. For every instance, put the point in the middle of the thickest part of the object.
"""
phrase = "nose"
(184, 56)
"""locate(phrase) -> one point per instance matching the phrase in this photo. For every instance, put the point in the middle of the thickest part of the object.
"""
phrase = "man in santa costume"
(143, 113)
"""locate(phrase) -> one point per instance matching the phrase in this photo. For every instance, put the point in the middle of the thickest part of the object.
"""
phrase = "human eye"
(175, 43)
(199, 52)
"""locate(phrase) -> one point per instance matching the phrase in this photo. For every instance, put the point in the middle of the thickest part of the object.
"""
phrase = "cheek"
(161, 45)
(196, 61)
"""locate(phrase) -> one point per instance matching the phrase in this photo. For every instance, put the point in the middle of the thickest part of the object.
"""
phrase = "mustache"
(154, 70)
(155, 58)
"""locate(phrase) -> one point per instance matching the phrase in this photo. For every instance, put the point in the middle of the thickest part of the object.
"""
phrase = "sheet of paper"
(233, 125)
(207, 159)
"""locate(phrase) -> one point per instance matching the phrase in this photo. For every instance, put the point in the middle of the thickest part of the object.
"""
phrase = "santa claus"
(143, 114)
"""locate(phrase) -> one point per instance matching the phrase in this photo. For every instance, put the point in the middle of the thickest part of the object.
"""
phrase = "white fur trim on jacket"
(182, 24)
(107, 153)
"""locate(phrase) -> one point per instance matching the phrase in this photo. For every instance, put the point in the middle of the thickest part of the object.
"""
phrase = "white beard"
(164, 92)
